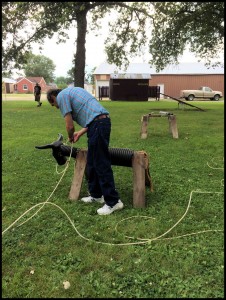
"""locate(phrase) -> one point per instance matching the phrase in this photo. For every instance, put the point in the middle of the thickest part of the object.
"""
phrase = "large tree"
(27, 22)
(39, 65)
(199, 26)
(175, 25)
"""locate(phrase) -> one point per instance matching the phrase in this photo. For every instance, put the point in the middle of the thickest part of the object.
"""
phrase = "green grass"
(191, 266)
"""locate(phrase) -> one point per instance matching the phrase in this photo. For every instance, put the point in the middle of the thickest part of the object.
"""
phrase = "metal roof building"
(140, 68)
(171, 79)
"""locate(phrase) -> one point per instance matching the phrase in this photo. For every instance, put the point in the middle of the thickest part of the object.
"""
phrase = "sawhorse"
(172, 123)
(139, 165)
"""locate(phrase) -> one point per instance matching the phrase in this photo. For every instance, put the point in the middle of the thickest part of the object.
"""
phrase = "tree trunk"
(80, 55)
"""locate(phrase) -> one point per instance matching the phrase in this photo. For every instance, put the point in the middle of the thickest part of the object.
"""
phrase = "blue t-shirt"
(81, 104)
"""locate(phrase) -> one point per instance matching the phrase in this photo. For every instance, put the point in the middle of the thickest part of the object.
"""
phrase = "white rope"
(64, 171)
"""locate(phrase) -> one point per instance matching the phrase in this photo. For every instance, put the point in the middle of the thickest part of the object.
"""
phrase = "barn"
(171, 80)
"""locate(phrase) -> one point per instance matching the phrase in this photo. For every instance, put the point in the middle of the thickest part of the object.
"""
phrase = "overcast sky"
(62, 54)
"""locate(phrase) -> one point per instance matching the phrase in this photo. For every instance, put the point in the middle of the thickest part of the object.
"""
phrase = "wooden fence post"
(138, 165)
(144, 126)
(173, 126)
(78, 175)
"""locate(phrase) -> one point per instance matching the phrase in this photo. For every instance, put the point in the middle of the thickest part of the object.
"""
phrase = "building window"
(25, 87)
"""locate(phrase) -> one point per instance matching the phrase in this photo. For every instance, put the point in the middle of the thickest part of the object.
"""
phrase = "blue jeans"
(100, 174)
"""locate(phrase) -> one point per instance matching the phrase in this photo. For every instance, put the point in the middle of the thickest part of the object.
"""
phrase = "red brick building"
(27, 84)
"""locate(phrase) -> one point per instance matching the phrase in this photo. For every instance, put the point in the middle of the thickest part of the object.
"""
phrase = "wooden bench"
(141, 177)
(172, 123)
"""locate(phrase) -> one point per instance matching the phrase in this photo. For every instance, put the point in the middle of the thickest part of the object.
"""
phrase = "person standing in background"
(37, 94)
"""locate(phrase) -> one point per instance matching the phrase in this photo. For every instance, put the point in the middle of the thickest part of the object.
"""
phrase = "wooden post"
(173, 126)
(182, 104)
(144, 126)
(78, 175)
(138, 165)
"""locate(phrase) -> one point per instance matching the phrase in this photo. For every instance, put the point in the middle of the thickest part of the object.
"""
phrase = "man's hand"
(77, 135)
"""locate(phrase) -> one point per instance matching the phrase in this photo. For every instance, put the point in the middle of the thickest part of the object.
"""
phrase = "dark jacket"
(37, 90)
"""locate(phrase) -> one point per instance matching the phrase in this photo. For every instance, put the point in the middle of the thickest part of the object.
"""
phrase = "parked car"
(203, 92)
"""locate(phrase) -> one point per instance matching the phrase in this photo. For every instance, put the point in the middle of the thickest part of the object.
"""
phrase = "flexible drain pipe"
(119, 156)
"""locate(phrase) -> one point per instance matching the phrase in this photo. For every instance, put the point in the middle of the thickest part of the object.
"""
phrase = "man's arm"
(72, 135)
(69, 126)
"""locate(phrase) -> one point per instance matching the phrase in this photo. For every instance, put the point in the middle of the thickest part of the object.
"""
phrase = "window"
(207, 89)
(25, 87)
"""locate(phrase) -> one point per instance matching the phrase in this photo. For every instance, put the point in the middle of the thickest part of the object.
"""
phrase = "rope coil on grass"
(142, 241)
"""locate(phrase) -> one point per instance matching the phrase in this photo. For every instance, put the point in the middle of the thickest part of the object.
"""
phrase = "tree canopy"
(198, 25)
(61, 82)
(27, 22)
(39, 65)
(168, 27)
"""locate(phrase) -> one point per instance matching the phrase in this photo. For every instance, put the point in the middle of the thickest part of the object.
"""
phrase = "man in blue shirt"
(76, 104)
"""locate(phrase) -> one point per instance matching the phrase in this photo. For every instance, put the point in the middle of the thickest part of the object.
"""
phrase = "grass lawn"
(67, 241)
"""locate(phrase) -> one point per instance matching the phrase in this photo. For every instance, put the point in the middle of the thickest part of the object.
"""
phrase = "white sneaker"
(90, 199)
(107, 210)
